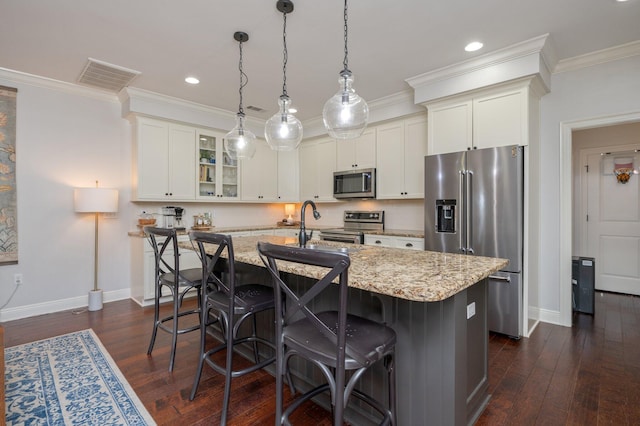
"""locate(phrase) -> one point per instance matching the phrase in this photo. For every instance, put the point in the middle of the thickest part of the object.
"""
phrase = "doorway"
(566, 210)
(606, 220)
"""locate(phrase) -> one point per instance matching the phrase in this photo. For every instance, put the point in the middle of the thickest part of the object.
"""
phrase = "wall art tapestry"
(8, 192)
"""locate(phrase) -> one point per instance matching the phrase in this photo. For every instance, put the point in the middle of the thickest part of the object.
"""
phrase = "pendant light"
(283, 131)
(345, 114)
(240, 143)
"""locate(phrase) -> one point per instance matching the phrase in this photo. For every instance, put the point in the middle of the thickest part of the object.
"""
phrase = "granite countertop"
(390, 232)
(421, 276)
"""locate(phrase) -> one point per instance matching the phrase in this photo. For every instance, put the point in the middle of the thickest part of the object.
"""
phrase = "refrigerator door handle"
(462, 231)
(468, 212)
(497, 278)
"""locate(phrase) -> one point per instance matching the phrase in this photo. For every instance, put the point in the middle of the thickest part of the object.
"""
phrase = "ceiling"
(389, 41)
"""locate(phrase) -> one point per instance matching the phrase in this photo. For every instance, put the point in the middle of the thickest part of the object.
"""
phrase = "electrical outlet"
(471, 310)
(17, 279)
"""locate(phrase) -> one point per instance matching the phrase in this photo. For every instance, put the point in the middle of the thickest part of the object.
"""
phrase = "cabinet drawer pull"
(408, 245)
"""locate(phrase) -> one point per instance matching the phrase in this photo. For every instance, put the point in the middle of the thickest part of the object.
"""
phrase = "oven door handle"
(341, 239)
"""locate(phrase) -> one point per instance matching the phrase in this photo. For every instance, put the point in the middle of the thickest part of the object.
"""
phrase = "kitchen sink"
(335, 249)
(325, 247)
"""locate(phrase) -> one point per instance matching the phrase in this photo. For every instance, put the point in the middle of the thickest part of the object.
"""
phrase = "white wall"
(65, 139)
(598, 91)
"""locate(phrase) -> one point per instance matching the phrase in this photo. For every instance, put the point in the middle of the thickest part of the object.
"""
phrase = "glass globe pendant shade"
(345, 114)
(283, 131)
(240, 143)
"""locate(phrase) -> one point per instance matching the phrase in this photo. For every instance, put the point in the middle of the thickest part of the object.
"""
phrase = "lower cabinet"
(409, 243)
(287, 232)
(143, 268)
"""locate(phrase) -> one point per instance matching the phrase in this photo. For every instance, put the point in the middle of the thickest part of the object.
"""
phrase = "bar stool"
(163, 239)
(334, 341)
(228, 304)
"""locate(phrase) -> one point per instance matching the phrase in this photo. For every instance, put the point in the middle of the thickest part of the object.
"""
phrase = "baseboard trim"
(11, 314)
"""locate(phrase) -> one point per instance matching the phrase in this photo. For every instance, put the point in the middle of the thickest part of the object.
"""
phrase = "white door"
(612, 222)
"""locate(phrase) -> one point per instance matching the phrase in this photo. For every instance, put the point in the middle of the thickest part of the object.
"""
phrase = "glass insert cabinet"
(217, 173)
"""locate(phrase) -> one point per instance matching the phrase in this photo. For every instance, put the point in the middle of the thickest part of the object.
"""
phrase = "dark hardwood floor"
(585, 375)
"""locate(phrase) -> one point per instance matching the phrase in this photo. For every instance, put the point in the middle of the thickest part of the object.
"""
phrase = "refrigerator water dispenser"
(446, 216)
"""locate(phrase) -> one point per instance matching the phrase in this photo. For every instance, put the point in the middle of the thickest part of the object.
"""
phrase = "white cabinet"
(379, 240)
(164, 161)
(317, 164)
(409, 243)
(270, 175)
(143, 268)
(498, 116)
(218, 175)
(358, 153)
(260, 174)
(292, 231)
(401, 147)
(500, 119)
(288, 176)
(263, 232)
(450, 127)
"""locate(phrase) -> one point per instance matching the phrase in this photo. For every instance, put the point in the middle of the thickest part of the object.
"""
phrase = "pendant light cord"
(346, 50)
(285, 56)
(243, 81)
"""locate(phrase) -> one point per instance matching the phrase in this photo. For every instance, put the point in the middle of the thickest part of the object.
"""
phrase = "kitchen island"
(436, 303)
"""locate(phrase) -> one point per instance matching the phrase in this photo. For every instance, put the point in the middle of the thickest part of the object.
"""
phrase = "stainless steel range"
(356, 223)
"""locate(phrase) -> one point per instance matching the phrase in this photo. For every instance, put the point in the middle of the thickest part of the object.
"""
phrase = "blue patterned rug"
(68, 380)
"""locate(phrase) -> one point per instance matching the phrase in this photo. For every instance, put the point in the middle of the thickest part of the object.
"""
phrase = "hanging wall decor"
(623, 169)
(8, 205)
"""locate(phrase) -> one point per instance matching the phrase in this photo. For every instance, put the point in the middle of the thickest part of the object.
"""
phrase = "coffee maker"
(168, 216)
(179, 224)
(172, 217)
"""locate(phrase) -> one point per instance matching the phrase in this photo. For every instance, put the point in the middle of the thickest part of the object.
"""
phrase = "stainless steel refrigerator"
(474, 205)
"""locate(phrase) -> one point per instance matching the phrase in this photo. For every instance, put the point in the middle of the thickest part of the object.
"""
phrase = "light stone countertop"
(413, 233)
(421, 276)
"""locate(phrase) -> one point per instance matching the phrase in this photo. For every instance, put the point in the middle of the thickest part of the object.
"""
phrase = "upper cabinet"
(288, 176)
(317, 164)
(498, 116)
(358, 153)
(163, 161)
(270, 175)
(218, 175)
(401, 147)
(260, 174)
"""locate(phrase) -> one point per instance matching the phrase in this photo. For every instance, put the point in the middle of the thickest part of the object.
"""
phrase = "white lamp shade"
(289, 209)
(95, 200)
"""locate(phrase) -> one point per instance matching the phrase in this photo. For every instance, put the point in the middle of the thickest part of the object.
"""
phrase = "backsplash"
(399, 214)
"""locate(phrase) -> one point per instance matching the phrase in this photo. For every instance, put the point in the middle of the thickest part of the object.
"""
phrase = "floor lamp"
(95, 200)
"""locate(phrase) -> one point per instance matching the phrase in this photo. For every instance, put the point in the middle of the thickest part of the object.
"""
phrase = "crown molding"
(52, 84)
(539, 47)
(143, 102)
(615, 53)
(396, 105)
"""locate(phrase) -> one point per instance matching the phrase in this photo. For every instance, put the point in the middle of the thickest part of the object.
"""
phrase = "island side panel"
(441, 356)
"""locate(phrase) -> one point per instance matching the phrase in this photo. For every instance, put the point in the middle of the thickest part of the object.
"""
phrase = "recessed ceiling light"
(192, 80)
(473, 46)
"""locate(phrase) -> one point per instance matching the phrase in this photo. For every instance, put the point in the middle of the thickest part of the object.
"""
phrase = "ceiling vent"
(255, 108)
(106, 76)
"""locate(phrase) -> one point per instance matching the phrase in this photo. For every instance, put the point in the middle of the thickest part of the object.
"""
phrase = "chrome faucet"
(303, 237)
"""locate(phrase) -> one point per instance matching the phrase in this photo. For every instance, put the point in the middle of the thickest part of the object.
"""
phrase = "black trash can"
(583, 278)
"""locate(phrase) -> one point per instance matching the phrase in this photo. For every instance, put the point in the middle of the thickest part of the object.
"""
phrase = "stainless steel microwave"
(355, 184)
